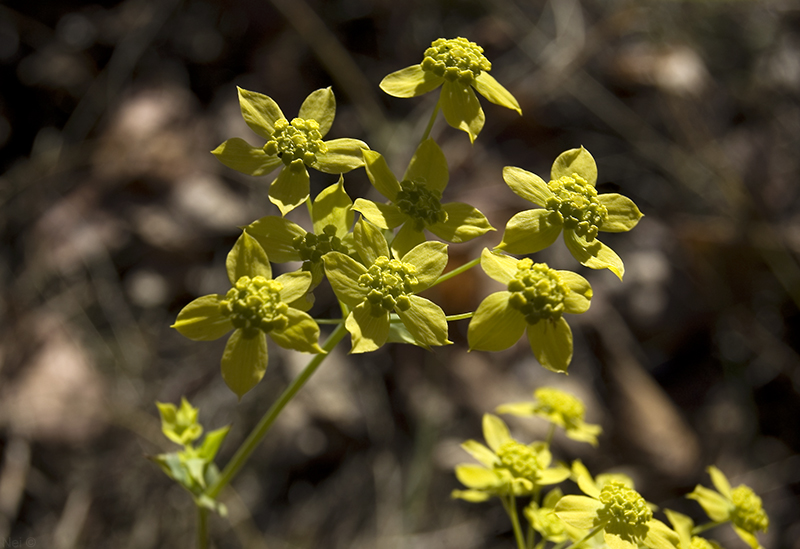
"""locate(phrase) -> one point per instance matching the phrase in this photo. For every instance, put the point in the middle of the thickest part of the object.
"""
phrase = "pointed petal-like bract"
(486, 85)
(484, 455)
(291, 187)
(579, 298)
(528, 185)
(301, 333)
(575, 161)
(259, 112)
(428, 166)
(247, 258)
(342, 156)
(239, 155)
(495, 432)
(595, 255)
(244, 361)
(426, 322)
(461, 108)
(406, 239)
(368, 332)
(333, 207)
(201, 320)
(294, 285)
(385, 216)
(276, 235)
(320, 105)
(551, 343)
(530, 231)
(430, 259)
(496, 325)
(578, 511)
(623, 214)
(343, 273)
(410, 82)
(498, 266)
(464, 222)
(380, 175)
(370, 242)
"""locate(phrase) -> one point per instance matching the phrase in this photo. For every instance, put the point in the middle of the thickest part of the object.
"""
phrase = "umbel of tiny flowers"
(622, 514)
(382, 285)
(559, 408)
(570, 203)
(416, 201)
(459, 67)
(507, 467)
(535, 300)
(256, 306)
(332, 217)
(294, 144)
(180, 424)
(740, 505)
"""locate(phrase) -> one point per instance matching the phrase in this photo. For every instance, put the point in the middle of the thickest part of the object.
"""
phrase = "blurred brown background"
(114, 215)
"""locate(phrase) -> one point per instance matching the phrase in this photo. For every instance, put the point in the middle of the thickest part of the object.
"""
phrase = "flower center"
(255, 304)
(299, 140)
(537, 291)
(519, 459)
(553, 401)
(312, 247)
(748, 513)
(575, 202)
(420, 204)
(624, 512)
(388, 283)
(455, 59)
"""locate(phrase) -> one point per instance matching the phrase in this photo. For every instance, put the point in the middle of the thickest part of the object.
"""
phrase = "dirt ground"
(114, 216)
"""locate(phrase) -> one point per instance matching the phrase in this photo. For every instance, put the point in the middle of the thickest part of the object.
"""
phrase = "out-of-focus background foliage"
(114, 215)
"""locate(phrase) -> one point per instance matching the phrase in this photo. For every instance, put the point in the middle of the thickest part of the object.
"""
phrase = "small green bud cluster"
(554, 401)
(312, 247)
(455, 59)
(300, 139)
(255, 304)
(576, 205)
(748, 513)
(545, 521)
(537, 291)
(519, 459)
(624, 509)
(420, 204)
(389, 282)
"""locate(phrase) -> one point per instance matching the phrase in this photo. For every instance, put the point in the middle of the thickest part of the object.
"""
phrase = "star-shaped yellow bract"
(507, 466)
(295, 144)
(535, 300)
(460, 68)
(570, 204)
(740, 505)
(416, 201)
(559, 408)
(382, 285)
(256, 306)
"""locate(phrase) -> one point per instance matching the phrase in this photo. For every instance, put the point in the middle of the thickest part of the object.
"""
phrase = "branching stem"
(431, 121)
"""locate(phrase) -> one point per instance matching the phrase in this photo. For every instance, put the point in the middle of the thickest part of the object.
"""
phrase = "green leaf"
(578, 511)
(530, 231)
(247, 258)
(410, 82)
(429, 259)
(368, 332)
(406, 239)
(333, 207)
(343, 273)
(291, 187)
(551, 343)
(320, 105)
(499, 266)
(301, 334)
(575, 161)
(260, 112)
(239, 155)
(295, 285)
(487, 86)
(495, 431)
(342, 156)
(595, 255)
(623, 214)
(385, 216)
(464, 223)
(211, 443)
(380, 175)
(481, 453)
(461, 108)
(201, 320)
(370, 242)
(528, 185)
(426, 322)
(580, 295)
(244, 361)
(429, 167)
(496, 325)
(276, 235)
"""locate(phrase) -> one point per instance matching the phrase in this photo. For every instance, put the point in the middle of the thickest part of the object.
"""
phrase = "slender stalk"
(550, 434)
(329, 320)
(431, 121)
(457, 271)
(257, 434)
(531, 536)
(202, 527)
(462, 316)
(587, 536)
(511, 508)
(703, 527)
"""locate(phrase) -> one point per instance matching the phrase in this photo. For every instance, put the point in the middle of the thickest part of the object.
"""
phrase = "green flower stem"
(588, 536)
(431, 121)
(703, 527)
(462, 316)
(329, 320)
(202, 527)
(457, 271)
(531, 536)
(550, 434)
(511, 508)
(257, 434)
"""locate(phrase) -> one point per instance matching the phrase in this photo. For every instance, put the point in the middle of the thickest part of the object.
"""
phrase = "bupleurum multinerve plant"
(379, 264)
